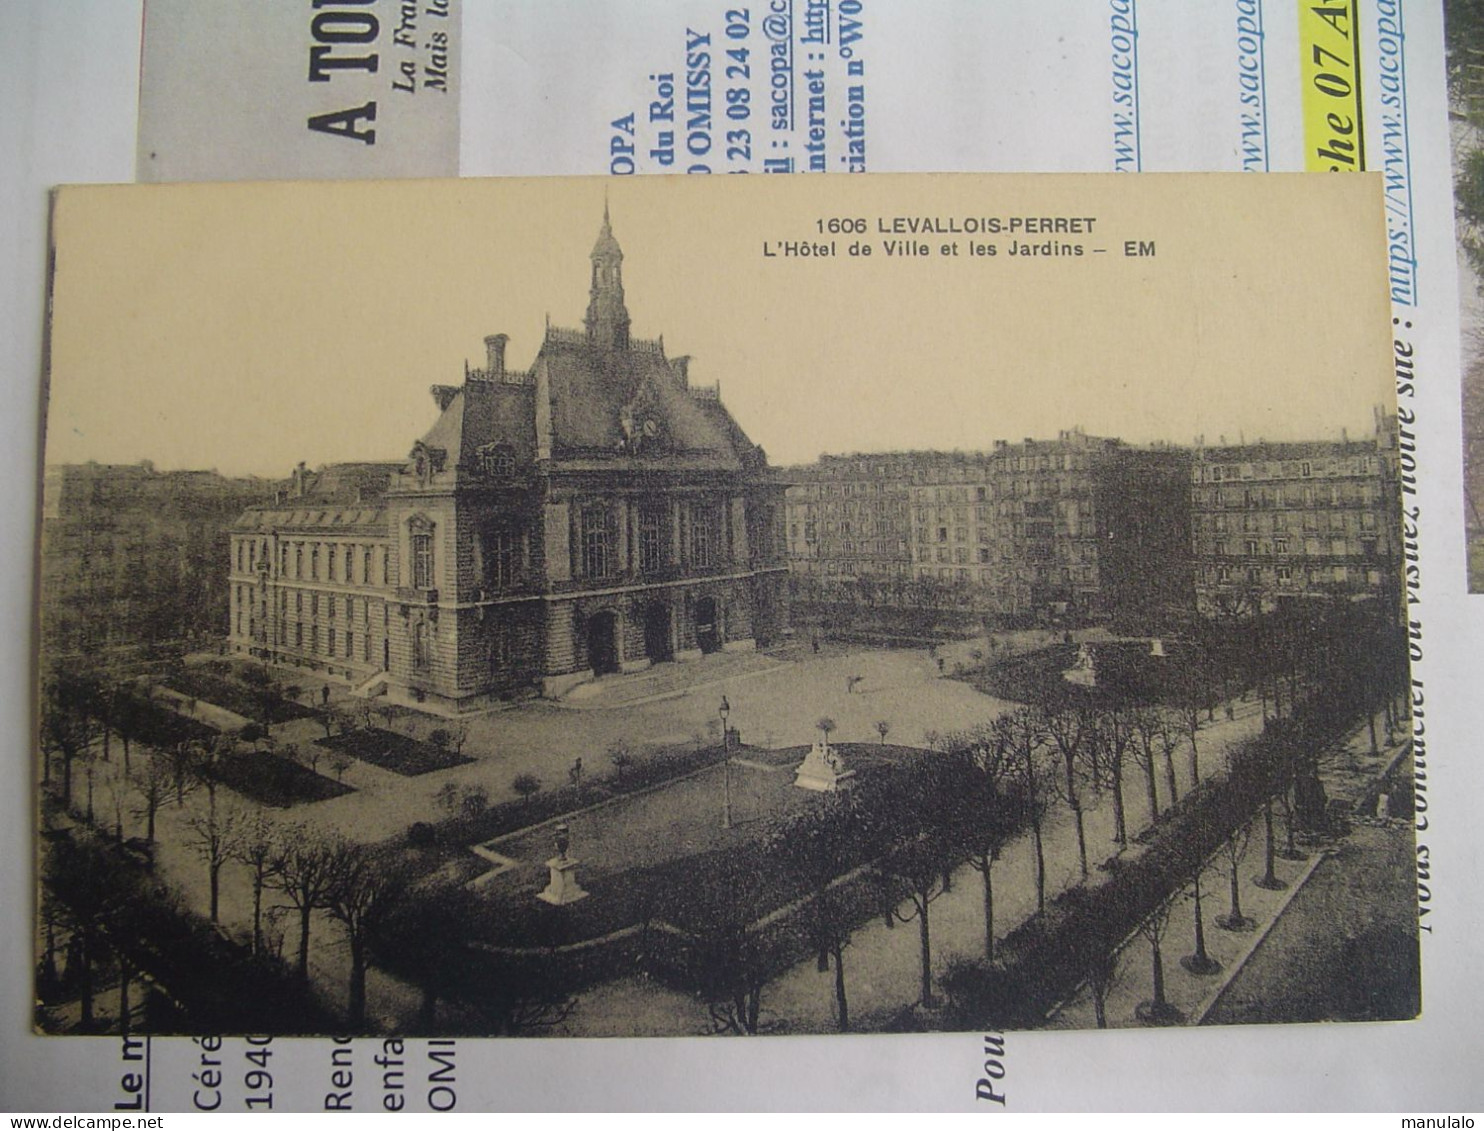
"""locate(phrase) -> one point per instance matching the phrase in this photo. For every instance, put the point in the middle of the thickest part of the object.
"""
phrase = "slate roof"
(591, 392)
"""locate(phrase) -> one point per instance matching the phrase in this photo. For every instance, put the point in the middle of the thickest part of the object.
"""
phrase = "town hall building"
(594, 513)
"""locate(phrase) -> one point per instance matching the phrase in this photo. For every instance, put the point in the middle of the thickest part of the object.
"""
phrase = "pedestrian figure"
(815, 641)
(1230, 712)
(1383, 808)
(324, 696)
(940, 665)
(575, 773)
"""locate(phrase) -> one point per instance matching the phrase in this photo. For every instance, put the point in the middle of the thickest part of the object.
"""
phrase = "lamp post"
(726, 751)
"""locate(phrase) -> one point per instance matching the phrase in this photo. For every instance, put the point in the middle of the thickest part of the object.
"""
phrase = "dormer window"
(497, 461)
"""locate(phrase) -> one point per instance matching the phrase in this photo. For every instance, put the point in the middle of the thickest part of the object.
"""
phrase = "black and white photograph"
(734, 606)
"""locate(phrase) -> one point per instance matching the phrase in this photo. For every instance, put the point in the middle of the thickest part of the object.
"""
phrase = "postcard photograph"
(722, 606)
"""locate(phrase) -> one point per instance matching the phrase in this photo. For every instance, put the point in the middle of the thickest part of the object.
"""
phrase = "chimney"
(494, 353)
(299, 475)
(682, 370)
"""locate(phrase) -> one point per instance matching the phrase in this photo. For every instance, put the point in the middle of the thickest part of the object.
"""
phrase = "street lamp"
(726, 751)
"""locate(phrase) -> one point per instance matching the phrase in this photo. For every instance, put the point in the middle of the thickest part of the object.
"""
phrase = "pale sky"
(247, 327)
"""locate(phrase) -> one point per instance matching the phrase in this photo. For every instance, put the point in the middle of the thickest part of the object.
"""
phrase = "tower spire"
(607, 318)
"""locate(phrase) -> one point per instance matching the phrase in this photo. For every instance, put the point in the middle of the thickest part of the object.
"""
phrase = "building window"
(1306, 469)
(421, 646)
(1285, 575)
(314, 562)
(298, 635)
(1251, 547)
(350, 640)
(504, 559)
(422, 560)
(331, 650)
(330, 563)
(1280, 545)
(350, 608)
(366, 566)
(299, 602)
(314, 604)
(314, 638)
(704, 536)
(386, 567)
(497, 460)
(596, 540)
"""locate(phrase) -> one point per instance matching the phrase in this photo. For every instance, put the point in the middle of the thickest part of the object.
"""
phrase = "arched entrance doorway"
(657, 643)
(708, 625)
(602, 642)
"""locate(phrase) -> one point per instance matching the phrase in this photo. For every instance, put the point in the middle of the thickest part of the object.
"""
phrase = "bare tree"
(1157, 1010)
(918, 867)
(365, 888)
(1145, 725)
(1113, 736)
(1102, 971)
(1170, 732)
(974, 804)
(255, 847)
(303, 868)
(809, 843)
(883, 728)
(1072, 731)
(1199, 961)
(153, 786)
(731, 973)
(92, 891)
(214, 836)
(1235, 850)
(67, 726)
(1023, 738)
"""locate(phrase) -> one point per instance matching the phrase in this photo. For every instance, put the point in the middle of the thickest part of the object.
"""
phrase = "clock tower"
(607, 318)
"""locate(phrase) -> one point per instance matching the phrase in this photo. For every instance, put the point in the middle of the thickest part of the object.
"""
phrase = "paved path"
(1291, 926)
(883, 964)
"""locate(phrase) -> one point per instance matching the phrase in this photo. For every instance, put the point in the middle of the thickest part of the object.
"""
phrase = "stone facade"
(593, 513)
(132, 558)
(1279, 522)
(1033, 531)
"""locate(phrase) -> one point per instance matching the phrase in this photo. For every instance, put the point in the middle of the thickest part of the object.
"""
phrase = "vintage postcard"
(688, 606)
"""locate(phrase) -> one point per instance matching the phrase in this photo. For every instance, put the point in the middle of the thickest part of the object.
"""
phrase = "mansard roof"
(341, 498)
(614, 405)
(601, 401)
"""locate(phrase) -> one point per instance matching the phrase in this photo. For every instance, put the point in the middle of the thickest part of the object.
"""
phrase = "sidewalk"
(1204, 998)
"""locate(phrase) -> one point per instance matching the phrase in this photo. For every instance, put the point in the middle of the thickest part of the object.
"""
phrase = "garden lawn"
(392, 751)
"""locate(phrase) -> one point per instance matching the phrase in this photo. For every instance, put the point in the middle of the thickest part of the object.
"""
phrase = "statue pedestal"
(563, 887)
(823, 771)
